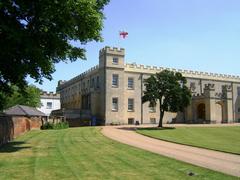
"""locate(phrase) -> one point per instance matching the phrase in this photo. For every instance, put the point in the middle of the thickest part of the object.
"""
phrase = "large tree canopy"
(36, 34)
(29, 97)
(169, 90)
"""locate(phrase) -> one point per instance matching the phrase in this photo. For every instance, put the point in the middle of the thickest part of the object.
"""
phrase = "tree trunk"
(161, 118)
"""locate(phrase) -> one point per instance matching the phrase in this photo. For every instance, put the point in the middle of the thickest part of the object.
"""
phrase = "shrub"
(60, 125)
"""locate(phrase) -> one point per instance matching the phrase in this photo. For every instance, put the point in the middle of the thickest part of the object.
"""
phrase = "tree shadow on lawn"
(13, 147)
(156, 128)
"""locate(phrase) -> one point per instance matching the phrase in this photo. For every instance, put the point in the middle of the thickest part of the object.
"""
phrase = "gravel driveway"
(218, 161)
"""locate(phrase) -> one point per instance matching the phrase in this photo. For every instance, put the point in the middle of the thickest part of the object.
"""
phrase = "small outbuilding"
(18, 120)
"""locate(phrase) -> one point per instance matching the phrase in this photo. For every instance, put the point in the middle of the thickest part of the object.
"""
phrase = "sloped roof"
(21, 110)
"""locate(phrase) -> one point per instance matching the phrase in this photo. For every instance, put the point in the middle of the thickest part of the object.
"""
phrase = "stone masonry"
(112, 92)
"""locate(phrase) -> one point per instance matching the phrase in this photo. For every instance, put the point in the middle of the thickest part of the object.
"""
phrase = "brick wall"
(13, 126)
(6, 130)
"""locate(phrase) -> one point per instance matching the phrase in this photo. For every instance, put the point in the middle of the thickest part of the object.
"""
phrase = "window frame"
(132, 121)
(48, 107)
(238, 91)
(131, 87)
(152, 109)
(130, 105)
(98, 82)
(115, 109)
(153, 119)
(115, 60)
(117, 80)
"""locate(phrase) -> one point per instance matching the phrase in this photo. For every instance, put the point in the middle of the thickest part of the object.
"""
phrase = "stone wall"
(13, 126)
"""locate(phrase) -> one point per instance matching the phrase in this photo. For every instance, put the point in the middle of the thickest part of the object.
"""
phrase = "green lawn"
(226, 139)
(84, 153)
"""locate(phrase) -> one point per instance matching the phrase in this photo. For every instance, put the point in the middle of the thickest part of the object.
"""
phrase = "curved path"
(218, 161)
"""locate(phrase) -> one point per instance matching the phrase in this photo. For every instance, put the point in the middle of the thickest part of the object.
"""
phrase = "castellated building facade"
(112, 91)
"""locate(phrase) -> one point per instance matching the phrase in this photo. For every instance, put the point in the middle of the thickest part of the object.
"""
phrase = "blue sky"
(202, 35)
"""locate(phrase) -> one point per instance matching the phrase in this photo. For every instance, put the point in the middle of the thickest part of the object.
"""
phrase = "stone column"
(228, 105)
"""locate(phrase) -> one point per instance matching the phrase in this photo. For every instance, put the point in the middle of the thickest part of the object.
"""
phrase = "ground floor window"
(130, 120)
(114, 104)
(130, 104)
(153, 120)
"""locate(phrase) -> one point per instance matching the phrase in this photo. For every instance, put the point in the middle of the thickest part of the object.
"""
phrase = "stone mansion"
(112, 91)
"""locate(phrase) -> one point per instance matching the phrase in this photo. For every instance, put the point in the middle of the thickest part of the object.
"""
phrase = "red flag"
(123, 34)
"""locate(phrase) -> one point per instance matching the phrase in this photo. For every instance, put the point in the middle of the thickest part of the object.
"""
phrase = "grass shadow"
(156, 128)
(13, 147)
(127, 128)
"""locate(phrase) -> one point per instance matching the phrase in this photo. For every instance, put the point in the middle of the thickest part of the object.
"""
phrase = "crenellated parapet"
(49, 95)
(114, 50)
(63, 84)
(187, 73)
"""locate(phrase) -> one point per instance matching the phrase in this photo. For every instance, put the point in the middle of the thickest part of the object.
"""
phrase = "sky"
(200, 35)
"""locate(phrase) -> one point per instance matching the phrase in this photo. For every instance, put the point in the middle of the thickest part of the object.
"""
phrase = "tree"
(169, 90)
(36, 34)
(29, 97)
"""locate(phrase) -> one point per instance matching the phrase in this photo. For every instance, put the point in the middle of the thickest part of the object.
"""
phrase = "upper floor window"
(49, 105)
(97, 81)
(238, 91)
(152, 109)
(130, 83)
(239, 109)
(115, 60)
(130, 104)
(92, 82)
(115, 80)
(114, 104)
(88, 83)
(193, 86)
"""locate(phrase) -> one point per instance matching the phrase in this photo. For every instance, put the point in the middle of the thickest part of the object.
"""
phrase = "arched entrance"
(201, 112)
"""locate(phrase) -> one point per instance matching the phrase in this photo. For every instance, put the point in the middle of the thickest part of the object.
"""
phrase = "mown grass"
(226, 139)
(84, 153)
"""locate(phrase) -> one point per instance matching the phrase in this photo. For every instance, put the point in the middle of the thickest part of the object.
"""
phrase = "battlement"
(187, 73)
(50, 95)
(114, 51)
(63, 84)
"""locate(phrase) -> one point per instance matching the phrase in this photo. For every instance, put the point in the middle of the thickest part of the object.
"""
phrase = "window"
(130, 120)
(97, 81)
(88, 83)
(115, 60)
(130, 104)
(153, 120)
(130, 83)
(238, 91)
(193, 86)
(114, 104)
(239, 109)
(152, 109)
(115, 80)
(92, 83)
(49, 105)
